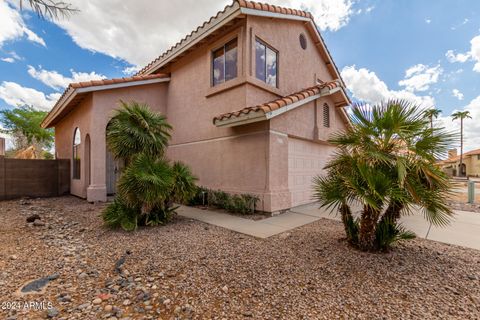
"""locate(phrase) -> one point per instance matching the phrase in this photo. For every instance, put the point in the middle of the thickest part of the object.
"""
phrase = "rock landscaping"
(186, 271)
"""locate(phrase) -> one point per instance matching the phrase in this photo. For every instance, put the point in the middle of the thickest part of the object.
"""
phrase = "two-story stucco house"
(252, 95)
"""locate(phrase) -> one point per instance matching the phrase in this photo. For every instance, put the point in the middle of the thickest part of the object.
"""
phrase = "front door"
(113, 173)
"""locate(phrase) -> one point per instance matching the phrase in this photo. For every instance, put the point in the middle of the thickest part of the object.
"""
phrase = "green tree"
(461, 115)
(149, 184)
(23, 125)
(432, 113)
(385, 165)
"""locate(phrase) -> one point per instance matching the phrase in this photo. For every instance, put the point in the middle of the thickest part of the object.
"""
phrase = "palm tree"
(149, 184)
(135, 129)
(385, 164)
(432, 113)
(461, 115)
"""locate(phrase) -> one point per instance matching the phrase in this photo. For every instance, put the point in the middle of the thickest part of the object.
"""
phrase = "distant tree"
(461, 115)
(432, 113)
(23, 125)
(50, 9)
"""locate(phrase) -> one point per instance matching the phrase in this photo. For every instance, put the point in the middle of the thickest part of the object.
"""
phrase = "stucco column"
(277, 195)
(97, 191)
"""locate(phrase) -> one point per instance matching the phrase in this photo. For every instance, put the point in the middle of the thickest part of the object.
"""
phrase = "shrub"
(241, 203)
(149, 184)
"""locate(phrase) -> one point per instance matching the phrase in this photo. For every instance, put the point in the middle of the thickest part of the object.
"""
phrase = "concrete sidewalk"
(261, 228)
(463, 231)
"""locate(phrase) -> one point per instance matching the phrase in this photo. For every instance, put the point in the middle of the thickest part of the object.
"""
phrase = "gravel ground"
(192, 270)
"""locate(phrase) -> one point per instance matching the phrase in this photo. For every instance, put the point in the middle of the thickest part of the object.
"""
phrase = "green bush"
(149, 185)
(388, 232)
(241, 203)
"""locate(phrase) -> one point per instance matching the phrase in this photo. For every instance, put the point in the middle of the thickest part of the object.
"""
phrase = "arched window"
(326, 116)
(77, 140)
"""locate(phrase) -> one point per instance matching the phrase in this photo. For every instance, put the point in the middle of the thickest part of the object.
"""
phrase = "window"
(224, 63)
(266, 68)
(478, 156)
(326, 116)
(77, 140)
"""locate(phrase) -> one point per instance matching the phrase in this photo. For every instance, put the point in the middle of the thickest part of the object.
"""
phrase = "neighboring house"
(470, 164)
(252, 95)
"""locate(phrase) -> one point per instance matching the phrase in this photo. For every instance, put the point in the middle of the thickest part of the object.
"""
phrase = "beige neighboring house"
(471, 164)
(252, 95)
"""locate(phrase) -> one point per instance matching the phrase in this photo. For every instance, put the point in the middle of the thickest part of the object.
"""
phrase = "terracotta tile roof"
(272, 8)
(281, 102)
(457, 158)
(242, 4)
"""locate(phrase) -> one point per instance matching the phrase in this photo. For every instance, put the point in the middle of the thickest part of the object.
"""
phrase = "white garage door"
(305, 160)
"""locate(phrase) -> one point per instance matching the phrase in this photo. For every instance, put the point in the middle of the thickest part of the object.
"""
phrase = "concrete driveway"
(464, 230)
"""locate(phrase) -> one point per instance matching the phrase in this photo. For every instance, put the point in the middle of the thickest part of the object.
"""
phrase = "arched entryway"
(462, 170)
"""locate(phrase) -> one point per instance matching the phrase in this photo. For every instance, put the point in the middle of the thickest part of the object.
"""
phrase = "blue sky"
(423, 50)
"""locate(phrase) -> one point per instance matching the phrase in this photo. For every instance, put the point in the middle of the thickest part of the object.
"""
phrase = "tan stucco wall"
(246, 159)
(93, 121)
(80, 117)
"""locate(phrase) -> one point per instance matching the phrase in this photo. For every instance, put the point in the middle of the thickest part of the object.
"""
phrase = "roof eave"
(207, 29)
(73, 92)
(262, 116)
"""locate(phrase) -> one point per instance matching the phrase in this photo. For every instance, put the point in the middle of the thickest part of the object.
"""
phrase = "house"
(470, 164)
(252, 95)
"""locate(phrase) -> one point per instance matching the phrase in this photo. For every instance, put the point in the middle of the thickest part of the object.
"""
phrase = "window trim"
(212, 60)
(277, 53)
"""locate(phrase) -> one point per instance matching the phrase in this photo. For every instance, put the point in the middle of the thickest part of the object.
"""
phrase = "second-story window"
(266, 67)
(224, 63)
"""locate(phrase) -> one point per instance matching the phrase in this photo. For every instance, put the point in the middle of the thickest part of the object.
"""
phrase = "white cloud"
(471, 127)
(328, 14)
(131, 70)
(57, 81)
(125, 30)
(457, 57)
(472, 55)
(457, 94)
(428, 21)
(16, 95)
(8, 59)
(13, 27)
(420, 77)
(366, 86)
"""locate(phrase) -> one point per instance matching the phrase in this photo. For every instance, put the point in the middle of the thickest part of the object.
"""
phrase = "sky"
(426, 51)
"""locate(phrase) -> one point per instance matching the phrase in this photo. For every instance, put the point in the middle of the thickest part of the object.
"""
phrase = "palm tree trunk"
(393, 212)
(461, 148)
(368, 224)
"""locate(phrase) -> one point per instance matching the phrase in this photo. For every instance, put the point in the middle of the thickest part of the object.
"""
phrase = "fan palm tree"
(432, 113)
(149, 184)
(136, 129)
(461, 115)
(385, 164)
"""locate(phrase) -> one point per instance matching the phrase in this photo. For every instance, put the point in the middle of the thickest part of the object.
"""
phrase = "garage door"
(305, 160)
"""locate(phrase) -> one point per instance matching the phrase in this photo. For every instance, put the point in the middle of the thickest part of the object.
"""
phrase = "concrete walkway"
(463, 231)
(261, 228)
